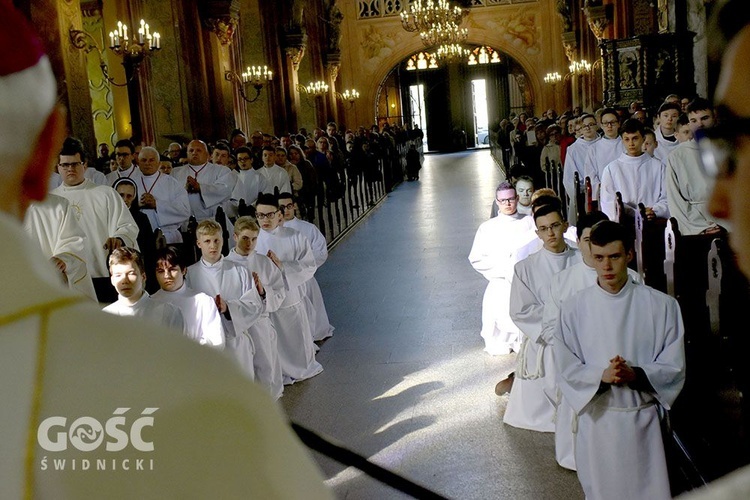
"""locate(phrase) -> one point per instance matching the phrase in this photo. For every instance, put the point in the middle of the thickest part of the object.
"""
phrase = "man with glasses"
(637, 176)
(604, 151)
(101, 213)
(687, 187)
(493, 255)
(292, 253)
(124, 150)
(529, 407)
(575, 159)
(249, 183)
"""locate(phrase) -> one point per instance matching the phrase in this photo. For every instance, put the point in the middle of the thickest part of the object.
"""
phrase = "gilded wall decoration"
(102, 102)
(377, 45)
(520, 29)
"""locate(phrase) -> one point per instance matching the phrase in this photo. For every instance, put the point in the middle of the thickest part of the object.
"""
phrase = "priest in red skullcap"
(97, 406)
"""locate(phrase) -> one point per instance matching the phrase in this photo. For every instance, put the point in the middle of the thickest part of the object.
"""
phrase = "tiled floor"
(406, 382)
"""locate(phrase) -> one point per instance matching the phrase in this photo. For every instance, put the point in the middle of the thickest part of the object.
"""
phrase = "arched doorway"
(456, 103)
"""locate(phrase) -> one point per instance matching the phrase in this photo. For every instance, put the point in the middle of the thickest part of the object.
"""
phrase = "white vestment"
(644, 326)
(244, 305)
(132, 172)
(217, 183)
(564, 285)
(530, 405)
(102, 214)
(687, 190)
(172, 205)
(493, 254)
(52, 223)
(276, 177)
(267, 363)
(316, 308)
(96, 177)
(296, 347)
(249, 184)
(160, 313)
(665, 147)
(214, 433)
(601, 154)
(575, 159)
(202, 319)
(639, 179)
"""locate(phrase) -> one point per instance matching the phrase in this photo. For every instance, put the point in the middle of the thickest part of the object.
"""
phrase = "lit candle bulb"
(158, 40)
(124, 33)
(148, 30)
(119, 28)
(111, 39)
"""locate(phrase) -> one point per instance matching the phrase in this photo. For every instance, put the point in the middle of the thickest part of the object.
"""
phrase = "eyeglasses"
(588, 125)
(289, 206)
(261, 216)
(610, 124)
(554, 226)
(121, 155)
(70, 165)
(718, 144)
(507, 201)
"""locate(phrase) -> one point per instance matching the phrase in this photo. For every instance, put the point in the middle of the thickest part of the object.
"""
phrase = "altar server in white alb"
(202, 319)
(621, 364)
(493, 255)
(240, 301)
(250, 183)
(575, 160)
(291, 252)
(163, 199)
(316, 308)
(126, 166)
(99, 210)
(266, 360)
(52, 223)
(208, 185)
(637, 176)
(608, 148)
(215, 434)
(277, 179)
(129, 279)
(565, 284)
(530, 404)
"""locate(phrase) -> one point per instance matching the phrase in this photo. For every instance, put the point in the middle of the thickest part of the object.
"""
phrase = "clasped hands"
(193, 186)
(618, 372)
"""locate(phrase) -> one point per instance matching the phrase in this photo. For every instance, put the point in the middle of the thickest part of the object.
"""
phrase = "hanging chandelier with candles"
(422, 15)
(439, 34)
(451, 52)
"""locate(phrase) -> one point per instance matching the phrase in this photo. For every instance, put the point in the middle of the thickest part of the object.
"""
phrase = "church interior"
(405, 381)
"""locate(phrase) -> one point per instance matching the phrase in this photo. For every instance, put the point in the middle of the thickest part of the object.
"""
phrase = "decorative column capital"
(570, 44)
(221, 17)
(598, 18)
(223, 28)
(296, 43)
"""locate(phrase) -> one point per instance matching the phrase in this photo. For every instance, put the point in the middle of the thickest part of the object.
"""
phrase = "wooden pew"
(222, 220)
(649, 249)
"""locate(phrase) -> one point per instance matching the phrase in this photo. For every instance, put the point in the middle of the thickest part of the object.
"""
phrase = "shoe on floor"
(505, 385)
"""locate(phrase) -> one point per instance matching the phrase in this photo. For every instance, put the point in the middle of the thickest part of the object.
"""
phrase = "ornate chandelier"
(421, 16)
(451, 52)
(443, 34)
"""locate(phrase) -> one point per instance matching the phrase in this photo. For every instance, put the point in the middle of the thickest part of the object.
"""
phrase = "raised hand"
(259, 285)
(274, 258)
(220, 304)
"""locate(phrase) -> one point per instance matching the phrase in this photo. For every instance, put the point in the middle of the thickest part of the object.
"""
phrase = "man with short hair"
(99, 210)
(667, 114)
(221, 155)
(209, 430)
(163, 199)
(686, 185)
(128, 276)
(208, 185)
(604, 151)
(620, 356)
(292, 254)
(277, 179)
(316, 308)
(575, 159)
(295, 177)
(637, 176)
(683, 131)
(493, 255)
(250, 183)
(126, 167)
(529, 407)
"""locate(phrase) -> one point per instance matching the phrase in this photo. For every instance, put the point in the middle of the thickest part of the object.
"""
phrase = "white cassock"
(217, 183)
(157, 312)
(564, 285)
(132, 172)
(249, 184)
(644, 326)
(276, 177)
(202, 318)
(172, 205)
(244, 305)
(96, 177)
(316, 308)
(665, 147)
(196, 398)
(639, 179)
(101, 214)
(535, 245)
(296, 347)
(267, 363)
(599, 156)
(52, 223)
(493, 254)
(530, 405)
(575, 159)
(687, 190)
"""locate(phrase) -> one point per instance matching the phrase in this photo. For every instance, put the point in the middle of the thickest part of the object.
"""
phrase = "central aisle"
(406, 382)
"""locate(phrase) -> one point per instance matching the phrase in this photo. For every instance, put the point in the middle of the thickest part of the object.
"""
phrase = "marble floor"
(406, 382)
